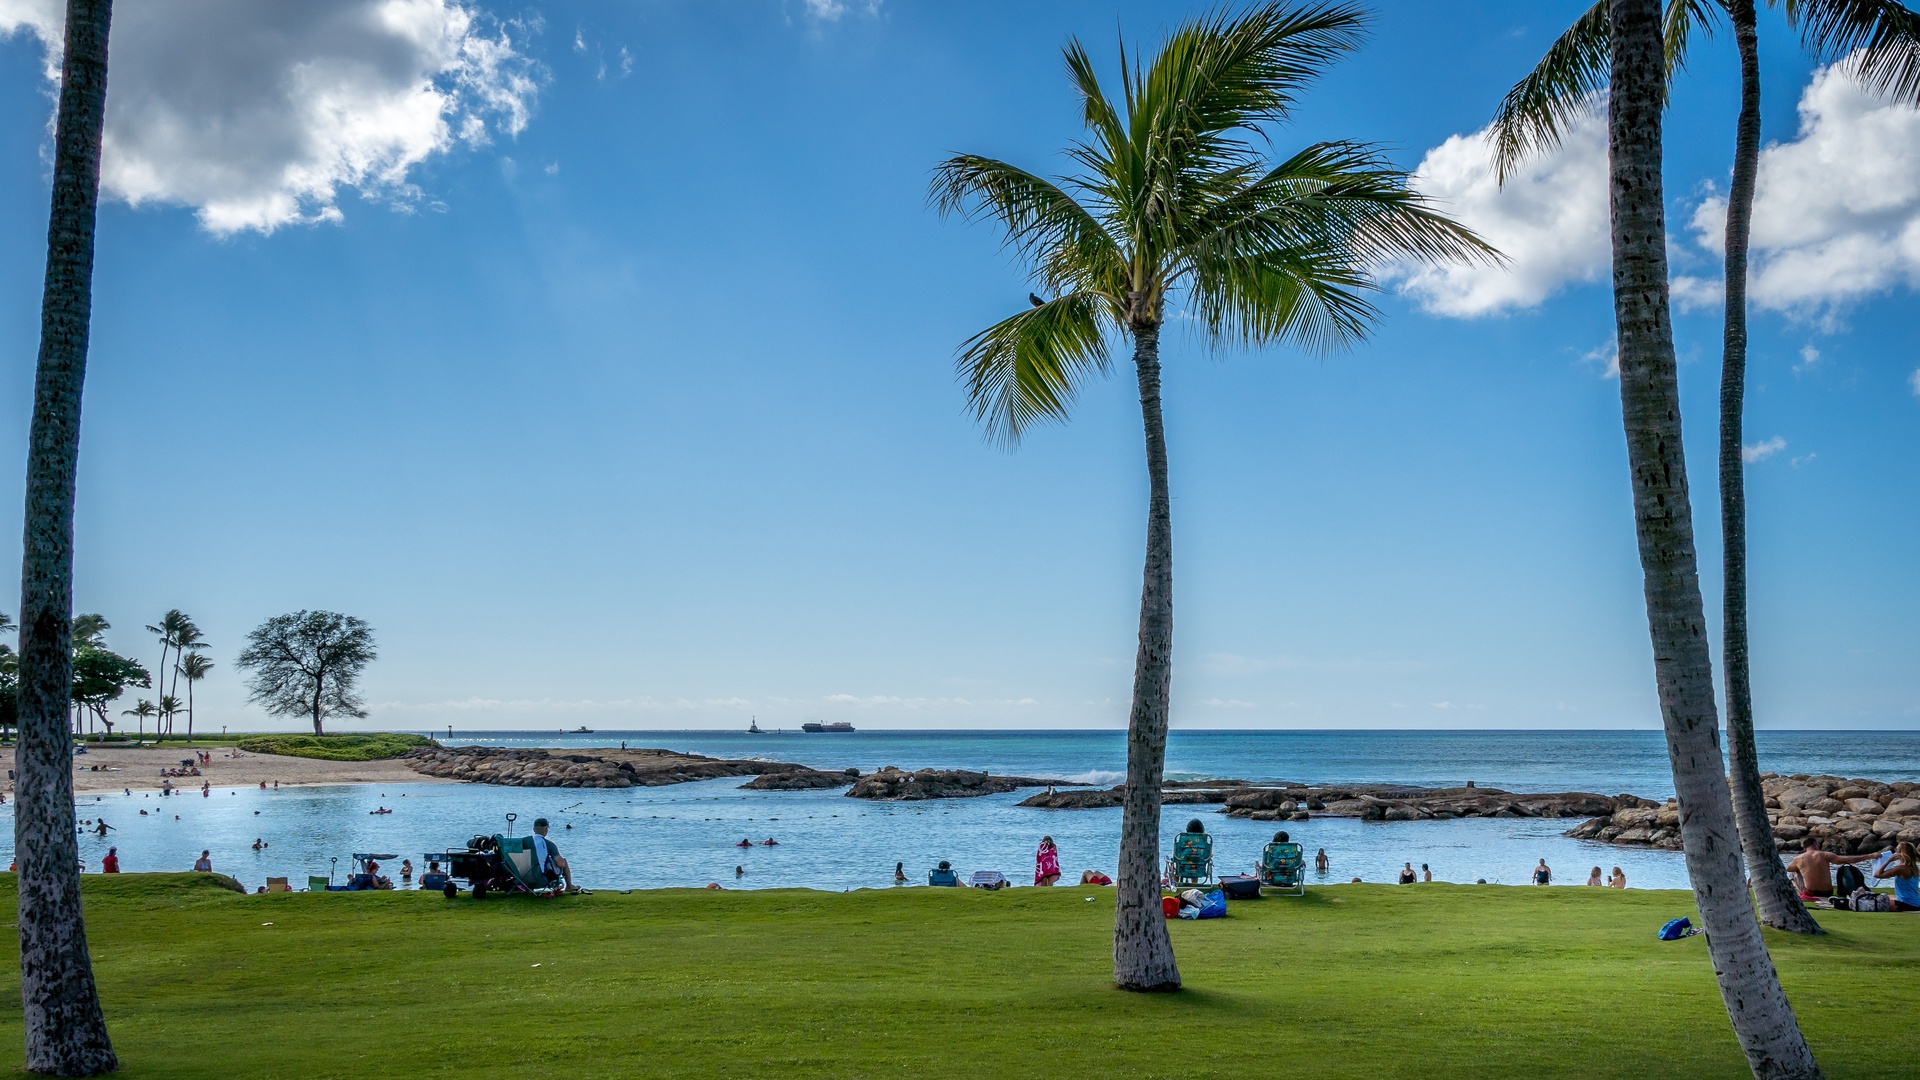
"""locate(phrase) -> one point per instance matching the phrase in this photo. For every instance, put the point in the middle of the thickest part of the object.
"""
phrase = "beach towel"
(1046, 864)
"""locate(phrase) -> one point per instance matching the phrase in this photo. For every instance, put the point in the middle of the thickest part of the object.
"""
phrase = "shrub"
(371, 747)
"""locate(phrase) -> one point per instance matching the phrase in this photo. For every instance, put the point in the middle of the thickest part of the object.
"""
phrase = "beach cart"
(499, 863)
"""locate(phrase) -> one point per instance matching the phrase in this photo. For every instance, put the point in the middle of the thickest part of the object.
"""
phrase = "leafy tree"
(100, 676)
(1880, 41)
(1174, 202)
(195, 667)
(64, 1028)
(1763, 1020)
(308, 664)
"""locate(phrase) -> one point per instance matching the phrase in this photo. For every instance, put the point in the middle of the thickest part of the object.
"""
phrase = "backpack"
(1847, 879)
(1677, 929)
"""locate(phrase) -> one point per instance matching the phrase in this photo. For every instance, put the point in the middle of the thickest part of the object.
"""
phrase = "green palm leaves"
(1173, 200)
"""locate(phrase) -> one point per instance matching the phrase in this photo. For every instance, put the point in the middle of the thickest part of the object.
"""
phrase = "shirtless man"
(1813, 868)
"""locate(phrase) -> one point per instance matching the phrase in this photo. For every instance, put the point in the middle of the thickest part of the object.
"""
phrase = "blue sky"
(606, 369)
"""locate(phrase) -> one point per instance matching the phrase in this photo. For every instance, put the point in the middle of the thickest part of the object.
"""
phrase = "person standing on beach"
(1542, 874)
(1046, 863)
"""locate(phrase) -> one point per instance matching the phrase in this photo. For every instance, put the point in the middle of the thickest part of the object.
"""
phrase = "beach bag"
(1213, 907)
(1848, 880)
(1677, 929)
(1865, 899)
(1241, 887)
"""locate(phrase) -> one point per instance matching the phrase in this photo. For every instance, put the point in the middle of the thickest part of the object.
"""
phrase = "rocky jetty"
(1849, 816)
(898, 785)
(608, 769)
(1369, 802)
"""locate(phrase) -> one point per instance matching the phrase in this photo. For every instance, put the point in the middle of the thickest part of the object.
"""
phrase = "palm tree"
(169, 707)
(1763, 1021)
(1886, 36)
(186, 638)
(168, 631)
(141, 710)
(65, 1031)
(1173, 200)
(195, 667)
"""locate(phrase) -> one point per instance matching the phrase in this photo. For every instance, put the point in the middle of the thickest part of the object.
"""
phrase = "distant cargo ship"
(831, 729)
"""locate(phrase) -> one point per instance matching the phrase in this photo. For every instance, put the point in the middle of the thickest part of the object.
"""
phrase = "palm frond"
(1028, 368)
(1560, 89)
(1044, 225)
(1682, 19)
(1879, 40)
(1336, 209)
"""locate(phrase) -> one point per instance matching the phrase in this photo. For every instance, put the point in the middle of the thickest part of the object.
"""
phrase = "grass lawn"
(1353, 980)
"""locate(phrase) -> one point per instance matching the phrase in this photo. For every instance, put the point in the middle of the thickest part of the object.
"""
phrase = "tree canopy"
(308, 663)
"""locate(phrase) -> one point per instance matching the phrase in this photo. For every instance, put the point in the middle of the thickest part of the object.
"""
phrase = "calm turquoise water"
(685, 835)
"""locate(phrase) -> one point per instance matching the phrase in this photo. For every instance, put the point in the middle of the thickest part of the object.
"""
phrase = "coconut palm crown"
(1175, 200)
(1175, 204)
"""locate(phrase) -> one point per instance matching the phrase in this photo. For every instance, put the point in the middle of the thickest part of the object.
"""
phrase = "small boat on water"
(753, 726)
(842, 727)
(581, 731)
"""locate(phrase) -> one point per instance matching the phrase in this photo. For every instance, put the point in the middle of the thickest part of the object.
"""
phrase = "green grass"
(1352, 981)
(369, 747)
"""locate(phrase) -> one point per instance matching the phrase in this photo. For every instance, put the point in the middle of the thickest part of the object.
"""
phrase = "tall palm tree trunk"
(1779, 902)
(66, 1033)
(1142, 952)
(1763, 1021)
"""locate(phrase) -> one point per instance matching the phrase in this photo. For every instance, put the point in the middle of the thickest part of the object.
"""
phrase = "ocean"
(688, 834)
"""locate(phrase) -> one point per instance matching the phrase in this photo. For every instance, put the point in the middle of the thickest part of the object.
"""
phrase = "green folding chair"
(1192, 862)
(1283, 866)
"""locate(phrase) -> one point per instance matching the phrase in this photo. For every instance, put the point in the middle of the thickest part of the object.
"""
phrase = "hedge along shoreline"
(370, 747)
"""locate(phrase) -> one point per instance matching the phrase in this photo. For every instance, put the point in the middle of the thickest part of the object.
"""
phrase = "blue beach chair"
(1192, 862)
(944, 876)
(1283, 866)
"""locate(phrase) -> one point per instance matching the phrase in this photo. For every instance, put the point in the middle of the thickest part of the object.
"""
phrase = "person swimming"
(744, 843)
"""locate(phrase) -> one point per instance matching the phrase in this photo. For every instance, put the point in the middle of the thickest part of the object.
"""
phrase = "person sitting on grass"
(1814, 869)
(1094, 877)
(1046, 863)
(1594, 878)
(546, 855)
(111, 864)
(1904, 868)
(1618, 880)
(204, 864)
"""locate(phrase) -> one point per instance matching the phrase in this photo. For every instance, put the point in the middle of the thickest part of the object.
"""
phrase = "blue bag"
(1215, 907)
(1677, 929)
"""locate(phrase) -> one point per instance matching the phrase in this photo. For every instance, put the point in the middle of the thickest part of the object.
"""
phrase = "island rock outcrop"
(1369, 802)
(1848, 816)
(607, 769)
(898, 785)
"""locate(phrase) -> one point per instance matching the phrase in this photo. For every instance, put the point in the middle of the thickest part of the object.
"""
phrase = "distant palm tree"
(1880, 41)
(169, 707)
(195, 667)
(186, 638)
(141, 710)
(1763, 1020)
(65, 1031)
(1174, 200)
(168, 630)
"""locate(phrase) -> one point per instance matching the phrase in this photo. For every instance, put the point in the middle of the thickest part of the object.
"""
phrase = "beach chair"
(989, 880)
(944, 878)
(1283, 866)
(1192, 862)
(517, 856)
(278, 884)
(318, 884)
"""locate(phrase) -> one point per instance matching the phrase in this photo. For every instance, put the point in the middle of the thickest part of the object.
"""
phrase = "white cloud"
(1809, 359)
(1803, 459)
(1762, 450)
(832, 10)
(1549, 219)
(1914, 381)
(259, 115)
(1836, 214)
(1606, 357)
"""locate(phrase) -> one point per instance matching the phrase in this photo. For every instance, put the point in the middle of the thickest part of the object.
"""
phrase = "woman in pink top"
(1046, 863)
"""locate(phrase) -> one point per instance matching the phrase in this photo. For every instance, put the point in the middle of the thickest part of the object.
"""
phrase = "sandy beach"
(106, 768)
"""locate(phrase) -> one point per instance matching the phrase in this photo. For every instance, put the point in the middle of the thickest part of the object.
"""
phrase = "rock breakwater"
(1848, 816)
(898, 785)
(608, 769)
(1369, 802)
